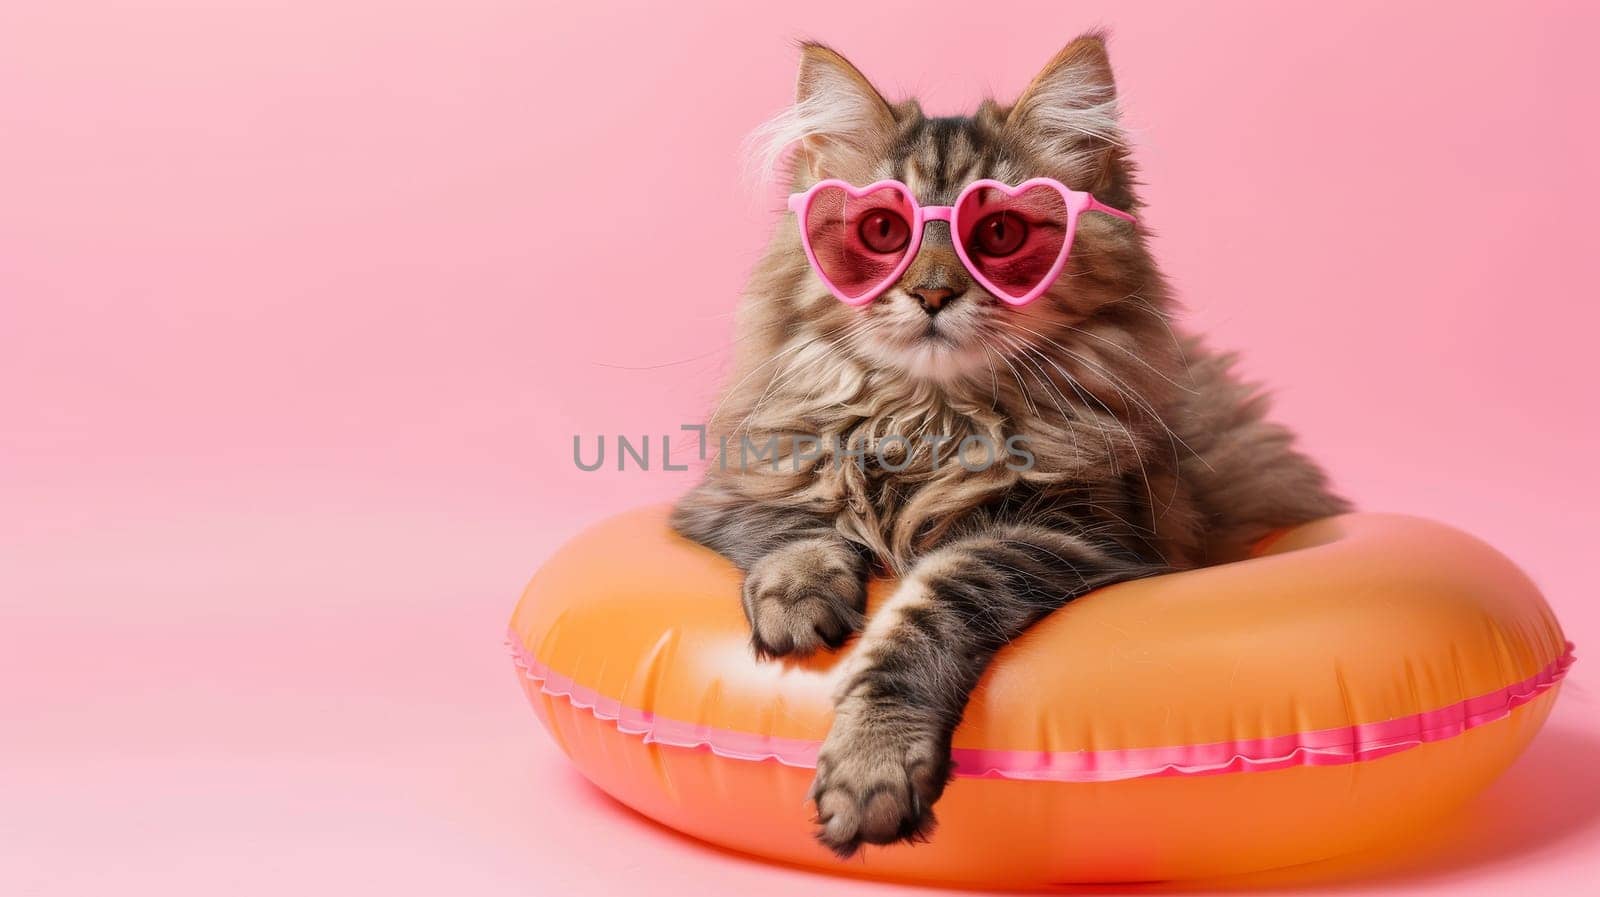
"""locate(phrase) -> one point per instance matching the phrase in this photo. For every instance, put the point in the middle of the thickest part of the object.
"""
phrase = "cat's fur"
(1150, 455)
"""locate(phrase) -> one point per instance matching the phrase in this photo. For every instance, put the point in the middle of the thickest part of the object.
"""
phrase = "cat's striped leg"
(887, 757)
(804, 585)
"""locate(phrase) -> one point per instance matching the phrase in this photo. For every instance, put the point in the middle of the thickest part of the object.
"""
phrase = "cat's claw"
(804, 597)
(876, 784)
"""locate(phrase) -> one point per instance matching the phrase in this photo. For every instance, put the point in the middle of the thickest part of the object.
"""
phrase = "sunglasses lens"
(858, 241)
(1013, 241)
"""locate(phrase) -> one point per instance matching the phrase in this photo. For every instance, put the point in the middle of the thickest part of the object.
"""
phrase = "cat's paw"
(804, 596)
(877, 779)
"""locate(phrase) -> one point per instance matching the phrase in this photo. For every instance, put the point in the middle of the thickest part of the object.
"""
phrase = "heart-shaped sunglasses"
(1013, 240)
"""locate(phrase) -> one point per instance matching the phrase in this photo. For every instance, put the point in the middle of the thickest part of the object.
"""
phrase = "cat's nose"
(934, 299)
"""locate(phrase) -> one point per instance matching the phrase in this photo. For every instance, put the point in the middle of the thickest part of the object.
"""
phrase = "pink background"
(300, 309)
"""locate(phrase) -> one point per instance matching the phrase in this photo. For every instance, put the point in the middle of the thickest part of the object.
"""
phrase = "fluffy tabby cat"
(1149, 455)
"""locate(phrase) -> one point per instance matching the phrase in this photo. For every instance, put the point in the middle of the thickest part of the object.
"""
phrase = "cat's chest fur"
(897, 463)
(898, 471)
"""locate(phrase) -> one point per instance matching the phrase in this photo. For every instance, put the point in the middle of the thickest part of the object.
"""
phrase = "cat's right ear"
(844, 126)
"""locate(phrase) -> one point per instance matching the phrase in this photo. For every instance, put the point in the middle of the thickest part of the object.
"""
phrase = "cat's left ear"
(1069, 114)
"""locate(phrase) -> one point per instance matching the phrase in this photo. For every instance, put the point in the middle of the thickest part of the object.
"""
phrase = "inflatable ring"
(1353, 679)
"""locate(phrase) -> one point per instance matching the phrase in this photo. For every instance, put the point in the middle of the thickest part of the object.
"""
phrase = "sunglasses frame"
(1077, 202)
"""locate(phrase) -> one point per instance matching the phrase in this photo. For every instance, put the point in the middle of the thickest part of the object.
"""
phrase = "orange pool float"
(1352, 680)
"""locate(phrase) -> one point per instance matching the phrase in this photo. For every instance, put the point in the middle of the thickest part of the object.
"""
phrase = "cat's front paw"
(878, 775)
(804, 596)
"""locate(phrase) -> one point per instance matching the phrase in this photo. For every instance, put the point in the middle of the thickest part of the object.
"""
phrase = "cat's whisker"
(1021, 387)
(1054, 393)
(774, 387)
(734, 390)
(1134, 300)
(989, 352)
(1127, 391)
(1084, 397)
(1113, 344)
(1133, 442)
(834, 347)
(1129, 394)
(721, 350)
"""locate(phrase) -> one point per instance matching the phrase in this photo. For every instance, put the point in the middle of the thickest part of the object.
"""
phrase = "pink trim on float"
(1322, 747)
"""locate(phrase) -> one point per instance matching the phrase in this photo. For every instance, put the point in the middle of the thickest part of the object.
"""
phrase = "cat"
(1146, 453)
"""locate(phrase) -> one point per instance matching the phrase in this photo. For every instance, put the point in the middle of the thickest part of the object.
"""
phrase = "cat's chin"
(935, 358)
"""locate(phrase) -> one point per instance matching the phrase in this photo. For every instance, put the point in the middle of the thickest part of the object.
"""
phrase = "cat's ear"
(845, 126)
(1069, 113)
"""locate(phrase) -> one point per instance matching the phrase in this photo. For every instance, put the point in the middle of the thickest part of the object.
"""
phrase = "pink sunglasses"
(1013, 240)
